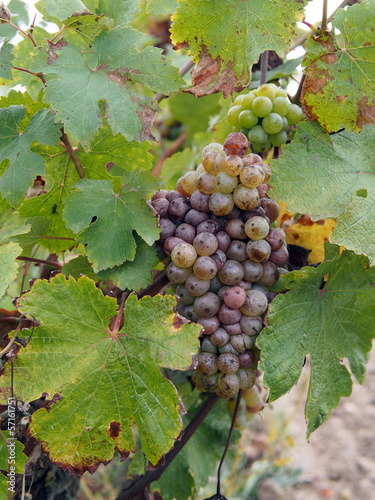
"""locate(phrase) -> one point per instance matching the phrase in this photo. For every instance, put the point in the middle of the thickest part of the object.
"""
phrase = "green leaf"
(24, 99)
(236, 33)
(175, 166)
(122, 12)
(39, 227)
(160, 7)
(136, 274)
(192, 112)
(6, 58)
(330, 319)
(285, 70)
(105, 220)
(109, 74)
(320, 175)
(76, 267)
(106, 380)
(11, 225)
(24, 165)
(89, 26)
(60, 10)
(16, 461)
(339, 87)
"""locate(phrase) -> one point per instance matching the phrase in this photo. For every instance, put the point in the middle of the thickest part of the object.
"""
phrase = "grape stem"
(140, 484)
(263, 67)
(64, 139)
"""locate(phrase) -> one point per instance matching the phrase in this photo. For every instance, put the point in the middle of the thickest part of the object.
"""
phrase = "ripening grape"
(184, 255)
(225, 183)
(221, 203)
(262, 106)
(252, 175)
(272, 123)
(213, 146)
(246, 198)
(190, 182)
(257, 228)
(233, 165)
(206, 183)
(205, 268)
(267, 90)
(213, 162)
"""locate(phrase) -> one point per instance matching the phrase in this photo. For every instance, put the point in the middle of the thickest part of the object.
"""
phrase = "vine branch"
(325, 15)
(52, 263)
(140, 484)
(72, 154)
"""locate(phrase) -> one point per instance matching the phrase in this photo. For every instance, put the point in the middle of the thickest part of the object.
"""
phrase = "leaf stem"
(72, 154)
(297, 95)
(150, 476)
(29, 35)
(169, 152)
(119, 321)
(52, 263)
(325, 15)
(185, 68)
(38, 75)
(263, 67)
(57, 34)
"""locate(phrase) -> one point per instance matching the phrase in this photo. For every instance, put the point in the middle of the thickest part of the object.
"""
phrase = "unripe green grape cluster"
(264, 115)
(225, 254)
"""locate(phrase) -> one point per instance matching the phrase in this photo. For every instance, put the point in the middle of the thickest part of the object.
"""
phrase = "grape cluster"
(216, 228)
(263, 115)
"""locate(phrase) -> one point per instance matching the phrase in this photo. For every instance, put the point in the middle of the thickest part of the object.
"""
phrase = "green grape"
(221, 203)
(206, 183)
(213, 162)
(294, 114)
(225, 183)
(280, 105)
(279, 139)
(184, 255)
(190, 182)
(246, 198)
(236, 129)
(227, 385)
(233, 165)
(247, 119)
(244, 131)
(272, 123)
(257, 228)
(257, 135)
(262, 106)
(238, 100)
(200, 169)
(281, 92)
(213, 146)
(247, 101)
(266, 90)
(285, 123)
(252, 175)
(233, 114)
(261, 148)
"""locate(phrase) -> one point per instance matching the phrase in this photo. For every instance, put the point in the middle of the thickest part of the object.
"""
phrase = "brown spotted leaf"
(339, 87)
(105, 380)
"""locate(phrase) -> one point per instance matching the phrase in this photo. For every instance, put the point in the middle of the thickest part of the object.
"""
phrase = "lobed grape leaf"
(331, 176)
(339, 88)
(136, 274)
(23, 98)
(104, 220)
(103, 379)
(24, 165)
(39, 226)
(61, 10)
(327, 313)
(88, 26)
(160, 7)
(122, 12)
(76, 267)
(6, 58)
(19, 458)
(108, 74)
(228, 36)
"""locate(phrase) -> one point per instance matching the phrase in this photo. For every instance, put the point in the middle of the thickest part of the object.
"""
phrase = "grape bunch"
(263, 115)
(216, 228)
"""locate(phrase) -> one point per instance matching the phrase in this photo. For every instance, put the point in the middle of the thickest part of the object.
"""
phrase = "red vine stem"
(140, 484)
(72, 154)
(52, 263)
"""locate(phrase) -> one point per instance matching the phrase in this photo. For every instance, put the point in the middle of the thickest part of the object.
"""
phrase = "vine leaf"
(61, 10)
(160, 7)
(122, 12)
(10, 225)
(227, 37)
(331, 322)
(6, 58)
(107, 74)
(103, 380)
(339, 87)
(135, 274)
(331, 176)
(24, 165)
(104, 220)
(20, 460)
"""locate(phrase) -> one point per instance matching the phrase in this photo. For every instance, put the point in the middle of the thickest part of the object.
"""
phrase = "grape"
(280, 105)
(241, 342)
(272, 209)
(190, 182)
(247, 119)
(185, 232)
(262, 289)
(262, 147)
(213, 146)
(235, 297)
(246, 359)
(252, 175)
(196, 286)
(208, 226)
(205, 384)
(231, 273)
(227, 385)
(221, 203)
(206, 183)
(252, 158)
(247, 100)
(272, 123)
(275, 238)
(257, 228)
(220, 337)
(280, 256)
(184, 255)
(207, 305)
(205, 268)
(267, 172)
(281, 92)
(238, 100)
(223, 240)
(213, 162)
(167, 229)
(191, 314)
(236, 229)
(221, 292)
(228, 363)
(278, 139)
(261, 107)
(210, 325)
(180, 188)
(246, 198)
(237, 251)
(252, 270)
(251, 325)
(219, 258)
(229, 316)
(228, 348)
(200, 169)
(215, 284)
(234, 329)
(256, 303)
(170, 243)
(246, 378)
(161, 205)
(173, 195)
(257, 135)
(246, 285)
(270, 274)
(233, 165)
(225, 183)
(294, 114)
(177, 274)
(233, 114)
(258, 251)
(236, 144)
(267, 90)
(184, 296)
(205, 244)
(263, 190)
(199, 201)
(207, 364)
(162, 193)
(178, 208)
(194, 217)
